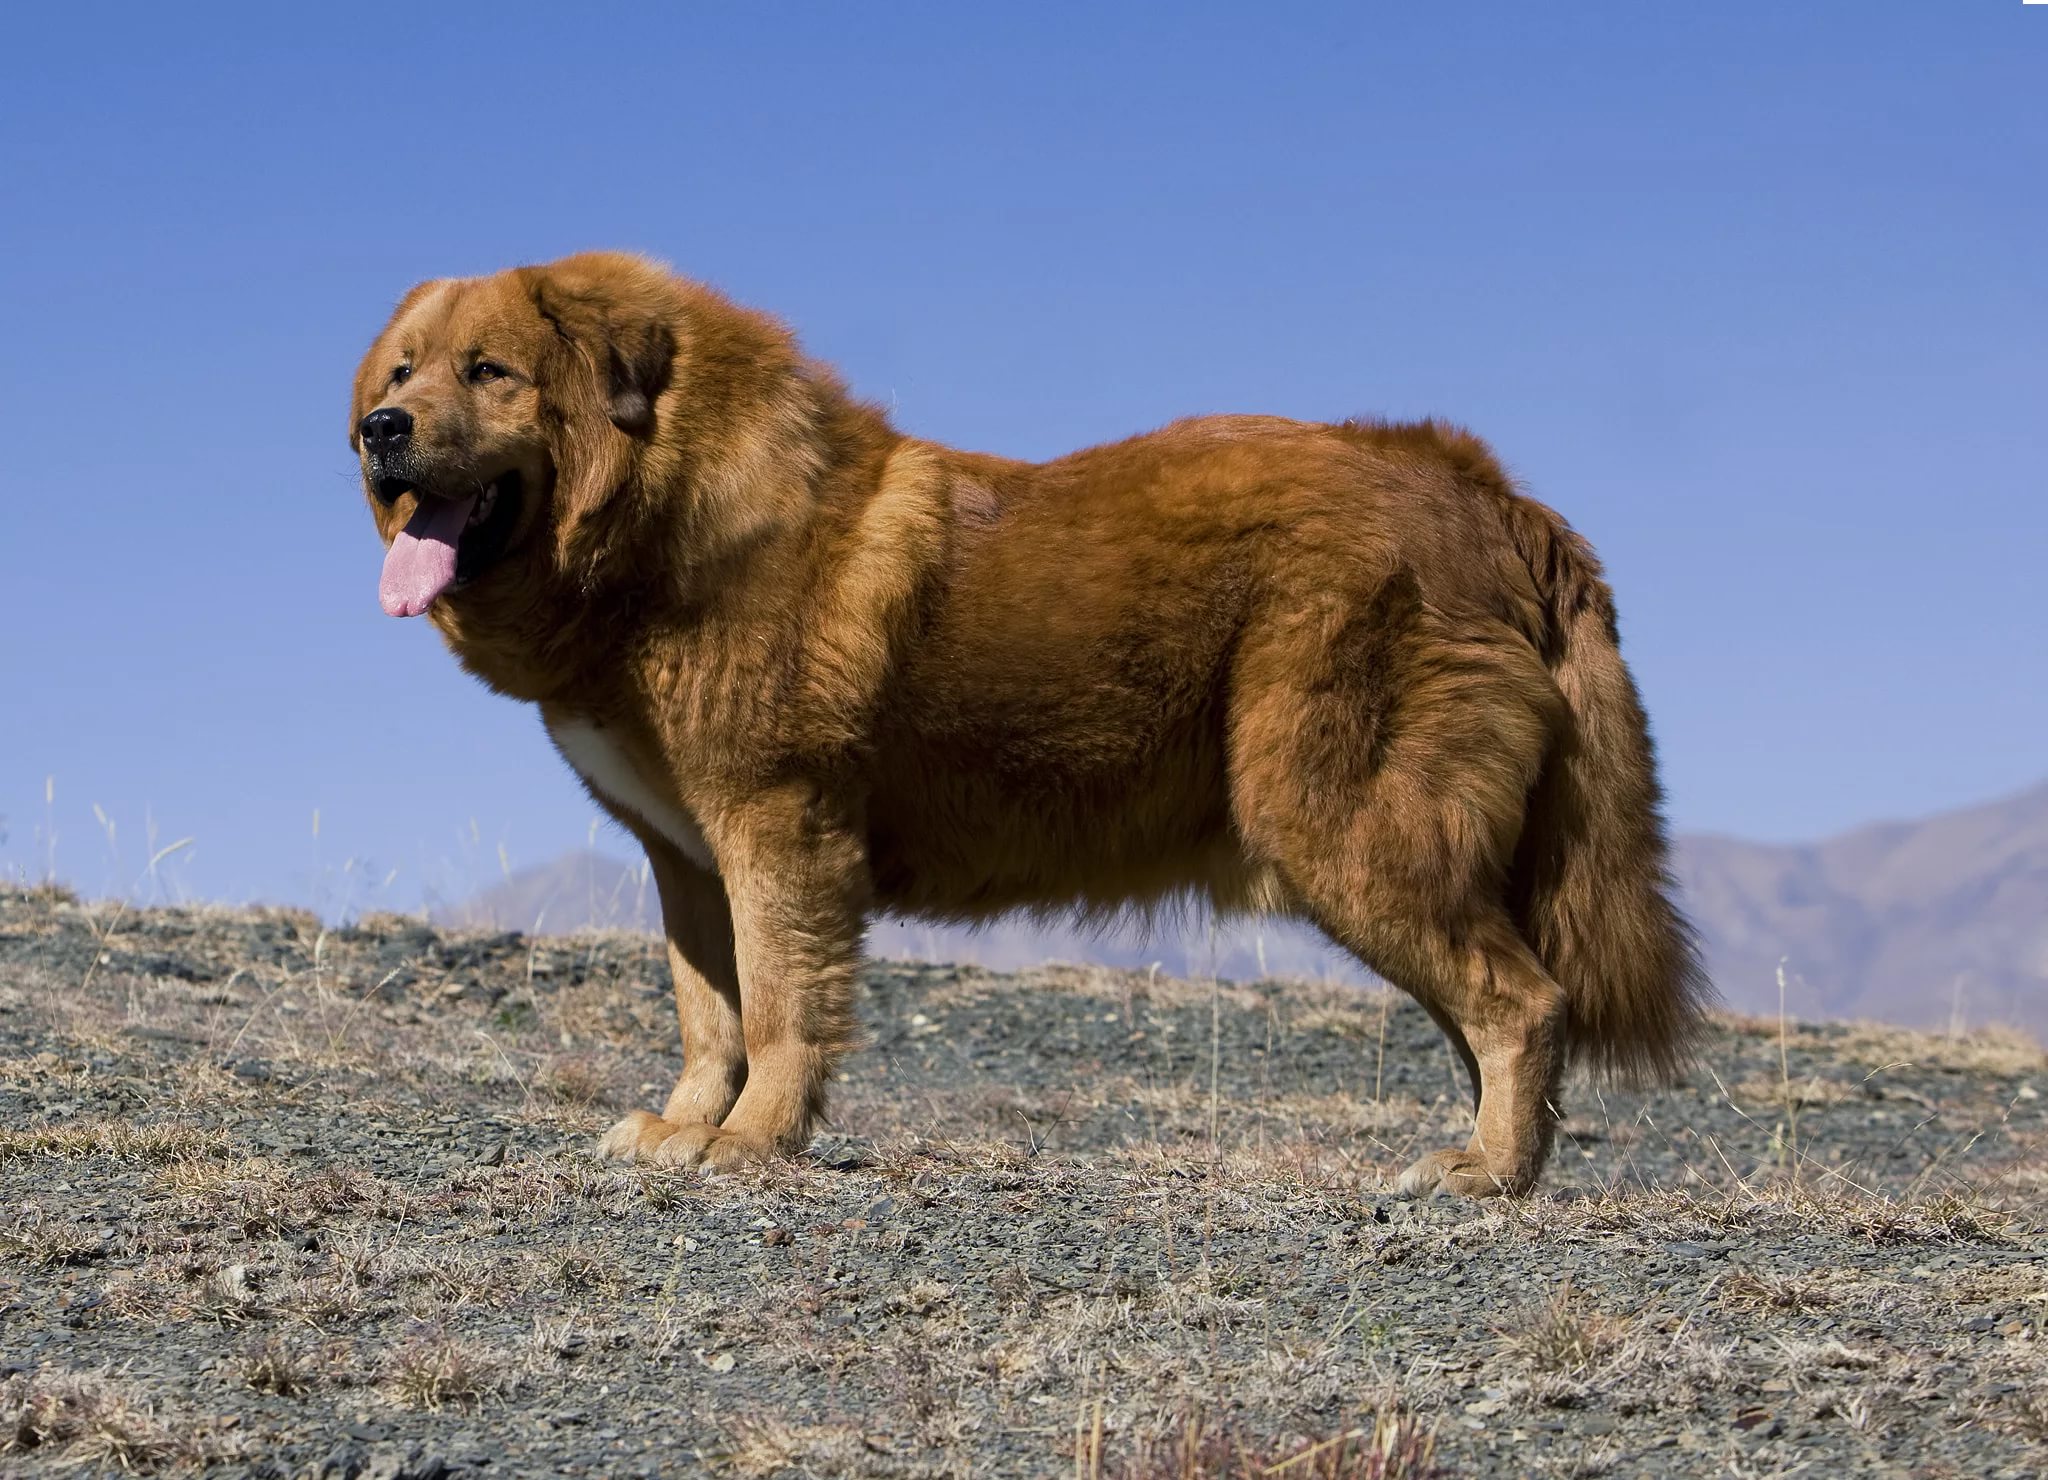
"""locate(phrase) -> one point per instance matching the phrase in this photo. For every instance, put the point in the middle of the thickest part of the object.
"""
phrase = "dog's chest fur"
(608, 770)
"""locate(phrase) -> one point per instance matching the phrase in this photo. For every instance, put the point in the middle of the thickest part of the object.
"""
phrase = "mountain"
(1941, 922)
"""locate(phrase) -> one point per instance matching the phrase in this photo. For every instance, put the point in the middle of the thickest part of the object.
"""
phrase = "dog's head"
(496, 416)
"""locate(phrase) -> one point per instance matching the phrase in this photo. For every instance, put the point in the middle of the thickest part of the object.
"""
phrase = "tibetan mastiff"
(818, 668)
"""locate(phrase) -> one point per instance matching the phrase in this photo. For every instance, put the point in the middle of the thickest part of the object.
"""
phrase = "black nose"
(385, 429)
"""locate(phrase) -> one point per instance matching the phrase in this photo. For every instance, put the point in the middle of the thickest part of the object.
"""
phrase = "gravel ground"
(280, 1201)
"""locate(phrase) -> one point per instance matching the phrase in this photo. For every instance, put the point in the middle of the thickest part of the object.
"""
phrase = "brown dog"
(818, 668)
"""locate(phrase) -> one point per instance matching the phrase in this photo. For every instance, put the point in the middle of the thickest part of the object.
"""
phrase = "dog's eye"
(401, 375)
(484, 370)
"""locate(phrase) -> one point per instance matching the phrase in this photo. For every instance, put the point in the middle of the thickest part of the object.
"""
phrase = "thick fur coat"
(817, 667)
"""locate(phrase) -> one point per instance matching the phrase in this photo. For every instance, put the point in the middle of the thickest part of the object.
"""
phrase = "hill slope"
(290, 1200)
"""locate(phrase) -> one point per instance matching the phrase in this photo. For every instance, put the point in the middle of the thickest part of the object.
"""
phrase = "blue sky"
(1757, 294)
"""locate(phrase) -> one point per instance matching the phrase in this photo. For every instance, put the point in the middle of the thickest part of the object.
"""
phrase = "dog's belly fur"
(972, 843)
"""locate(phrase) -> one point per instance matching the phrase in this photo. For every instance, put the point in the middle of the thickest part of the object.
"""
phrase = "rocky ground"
(283, 1201)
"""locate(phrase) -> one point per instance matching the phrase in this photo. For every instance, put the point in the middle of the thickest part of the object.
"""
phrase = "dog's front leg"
(795, 873)
(698, 922)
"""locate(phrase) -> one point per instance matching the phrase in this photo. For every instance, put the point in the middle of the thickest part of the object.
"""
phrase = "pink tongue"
(420, 564)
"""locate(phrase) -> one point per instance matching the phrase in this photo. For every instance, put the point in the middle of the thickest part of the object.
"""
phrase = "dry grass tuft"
(270, 1366)
(437, 1371)
(1394, 1446)
(89, 1421)
(1563, 1335)
(1993, 1049)
(46, 892)
(42, 1240)
(118, 1138)
(759, 1445)
(264, 1197)
(1760, 1290)
(585, 1271)
(1835, 1206)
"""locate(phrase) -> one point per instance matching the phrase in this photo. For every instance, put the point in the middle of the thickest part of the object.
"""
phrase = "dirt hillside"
(282, 1201)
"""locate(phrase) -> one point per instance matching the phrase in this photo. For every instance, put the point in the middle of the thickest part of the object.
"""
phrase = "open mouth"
(448, 542)
(488, 530)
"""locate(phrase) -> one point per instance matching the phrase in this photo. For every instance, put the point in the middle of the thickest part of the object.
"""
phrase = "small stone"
(1759, 1423)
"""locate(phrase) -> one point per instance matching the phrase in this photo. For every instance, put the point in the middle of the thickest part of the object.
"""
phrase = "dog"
(1343, 672)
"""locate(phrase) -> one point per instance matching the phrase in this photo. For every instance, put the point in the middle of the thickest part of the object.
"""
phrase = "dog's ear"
(637, 371)
(614, 323)
(612, 312)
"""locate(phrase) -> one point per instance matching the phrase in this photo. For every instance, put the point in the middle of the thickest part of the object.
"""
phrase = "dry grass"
(1835, 1206)
(578, 1081)
(228, 1297)
(435, 1370)
(2027, 1413)
(1791, 1294)
(271, 1366)
(761, 1445)
(263, 1197)
(1562, 1336)
(43, 1240)
(115, 1138)
(45, 1068)
(1193, 1445)
(90, 1420)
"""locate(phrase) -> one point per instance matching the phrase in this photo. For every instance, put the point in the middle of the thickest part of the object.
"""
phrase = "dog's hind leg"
(1481, 980)
(1381, 764)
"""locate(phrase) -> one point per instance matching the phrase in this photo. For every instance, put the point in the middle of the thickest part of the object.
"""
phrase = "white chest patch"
(607, 770)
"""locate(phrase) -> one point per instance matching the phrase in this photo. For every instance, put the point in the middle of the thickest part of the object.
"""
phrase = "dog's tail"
(1592, 876)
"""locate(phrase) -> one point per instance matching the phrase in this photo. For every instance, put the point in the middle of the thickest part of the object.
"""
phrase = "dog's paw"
(636, 1138)
(728, 1150)
(710, 1148)
(1453, 1174)
(646, 1137)
(623, 1142)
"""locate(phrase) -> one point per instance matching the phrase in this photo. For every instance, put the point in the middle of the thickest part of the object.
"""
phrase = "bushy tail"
(1592, 876)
